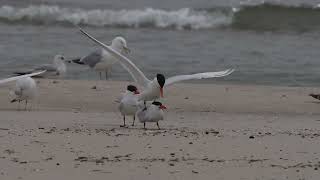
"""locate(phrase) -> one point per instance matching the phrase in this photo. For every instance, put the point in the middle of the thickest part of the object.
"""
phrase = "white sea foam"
(149, 17)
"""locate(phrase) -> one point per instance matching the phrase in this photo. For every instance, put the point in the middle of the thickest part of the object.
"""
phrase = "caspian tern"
(57, 68)
(101, 60)
(152, 113)
(129, 103)
(153, 89)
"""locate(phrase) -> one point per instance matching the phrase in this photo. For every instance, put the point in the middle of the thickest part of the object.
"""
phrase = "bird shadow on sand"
(314, 102)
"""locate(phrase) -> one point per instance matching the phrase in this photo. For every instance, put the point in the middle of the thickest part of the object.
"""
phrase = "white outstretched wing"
(204, 75)
(2, 81)
(136, 73)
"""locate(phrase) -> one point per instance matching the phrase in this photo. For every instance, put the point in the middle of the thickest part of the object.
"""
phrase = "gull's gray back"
(48, 67)
(93, 58)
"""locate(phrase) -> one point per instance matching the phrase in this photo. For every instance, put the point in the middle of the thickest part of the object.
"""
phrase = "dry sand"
(209, 132)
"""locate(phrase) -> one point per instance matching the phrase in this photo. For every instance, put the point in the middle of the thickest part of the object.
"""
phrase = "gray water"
(266, 44)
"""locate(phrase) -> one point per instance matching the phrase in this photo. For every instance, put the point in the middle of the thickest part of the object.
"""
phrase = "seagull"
(25, 88)
(129, 103)
(100, 60)
(153, 89)
(58, 68)
(152, 113)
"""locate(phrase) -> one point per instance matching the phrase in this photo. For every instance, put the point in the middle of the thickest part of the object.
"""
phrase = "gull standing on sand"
(58, 68)
(152, 113)
(153, 89)
(129, 104)
(25, 89)
(101, 60)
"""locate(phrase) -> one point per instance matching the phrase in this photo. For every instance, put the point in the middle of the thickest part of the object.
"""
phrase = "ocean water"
(268, 43)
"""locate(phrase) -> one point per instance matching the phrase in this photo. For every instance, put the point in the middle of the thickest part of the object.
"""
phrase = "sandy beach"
(209, 132)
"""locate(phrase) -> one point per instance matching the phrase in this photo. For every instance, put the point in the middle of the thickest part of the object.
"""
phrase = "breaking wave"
(251, 17)
(179, 19)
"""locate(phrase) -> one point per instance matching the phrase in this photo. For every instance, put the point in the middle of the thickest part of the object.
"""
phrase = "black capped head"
(159, 104)
(132, 88)
(161, 80)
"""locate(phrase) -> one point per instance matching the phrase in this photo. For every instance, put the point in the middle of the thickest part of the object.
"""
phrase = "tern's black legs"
(134, 118)
(124, 122)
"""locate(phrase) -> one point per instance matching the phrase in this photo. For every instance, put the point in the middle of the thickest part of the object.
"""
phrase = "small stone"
(58, 164)
(315, 168)
(196, 172)
(172, 154)
(251, 137)
(94, 87)
(190, 142)
(171, 164)
(207, 132)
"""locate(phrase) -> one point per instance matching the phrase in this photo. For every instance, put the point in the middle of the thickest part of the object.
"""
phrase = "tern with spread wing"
(153, 89)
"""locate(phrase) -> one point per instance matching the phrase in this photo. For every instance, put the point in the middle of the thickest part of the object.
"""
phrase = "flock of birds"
(143, 104)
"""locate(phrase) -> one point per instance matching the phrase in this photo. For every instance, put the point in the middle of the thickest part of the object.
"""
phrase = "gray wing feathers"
(47, 67)
(93, 58)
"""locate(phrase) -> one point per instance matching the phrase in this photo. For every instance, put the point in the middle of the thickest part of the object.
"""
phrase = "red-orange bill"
(163, 107)
(161, 92)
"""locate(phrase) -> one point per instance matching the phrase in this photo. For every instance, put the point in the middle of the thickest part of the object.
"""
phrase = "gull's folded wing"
(204, 75)
(46, 67)
(136, 73)
(19, 77)
(93, 58)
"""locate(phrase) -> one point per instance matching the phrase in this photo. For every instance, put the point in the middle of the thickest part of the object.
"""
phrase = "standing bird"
(25, 86)
(152, 113)
(153, 89)
(57, 68)
(129, 104)
(101, 60)
(25, 89)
